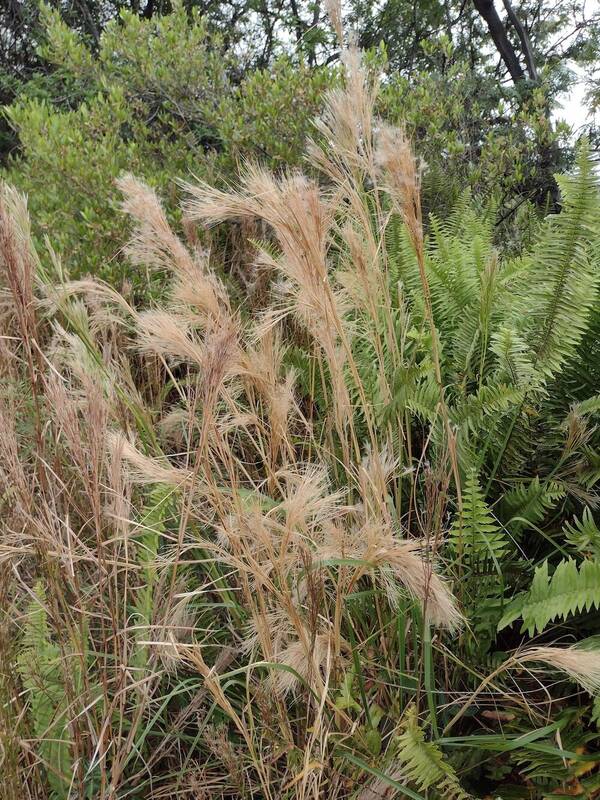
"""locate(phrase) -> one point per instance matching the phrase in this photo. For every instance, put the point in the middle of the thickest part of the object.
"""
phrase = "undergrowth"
(337, 540)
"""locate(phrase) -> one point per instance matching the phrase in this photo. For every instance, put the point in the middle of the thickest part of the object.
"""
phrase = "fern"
(570, 590)
(152, 525)
(39, 665)
(489, 400)
(402, 262)
(584, 535)
(463, 276)
(552, 300)
(423, 763)
(424, 399)
(563, 281)
(475, 534)
(528, 503)
(514, 357)
(589, 406)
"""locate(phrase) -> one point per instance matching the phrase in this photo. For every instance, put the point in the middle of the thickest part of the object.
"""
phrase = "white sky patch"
(575, 110)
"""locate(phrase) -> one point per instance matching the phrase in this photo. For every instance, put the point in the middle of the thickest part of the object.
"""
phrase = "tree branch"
(487, 10)
(524, 39)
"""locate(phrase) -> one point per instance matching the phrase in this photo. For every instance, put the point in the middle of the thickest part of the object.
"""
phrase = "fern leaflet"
(570, 590)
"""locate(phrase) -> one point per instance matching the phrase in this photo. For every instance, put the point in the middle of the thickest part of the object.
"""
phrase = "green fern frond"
(570, 590)
(589, 406)
(584, 534)
(475, 533)
(423, 401)
(515, 358)
(455, 220)
(563, 282)
(484, 603)
(402, 263)
(454, 281)
(529, 503)
(466, 282)
(423, 763)
(39, 665)
(491, 399)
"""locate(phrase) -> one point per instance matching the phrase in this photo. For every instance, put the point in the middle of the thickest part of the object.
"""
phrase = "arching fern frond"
(583, 534)
(563, 281)
(39, 665)
(515, 358)
(423, 763)
(570, 590)
(493, 398)
(589, 406)
(475, 533)
(529, 503)
(402, 263)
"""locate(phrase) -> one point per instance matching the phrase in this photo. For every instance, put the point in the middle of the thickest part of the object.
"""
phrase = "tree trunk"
(487, 10)
(524, 39)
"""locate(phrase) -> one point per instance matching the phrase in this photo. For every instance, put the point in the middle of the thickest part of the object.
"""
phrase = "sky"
(574, 109)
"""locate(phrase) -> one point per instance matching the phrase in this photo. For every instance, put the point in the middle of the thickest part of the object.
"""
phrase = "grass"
(245, 549)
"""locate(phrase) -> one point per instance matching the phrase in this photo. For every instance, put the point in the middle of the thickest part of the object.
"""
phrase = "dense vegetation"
(299, 397)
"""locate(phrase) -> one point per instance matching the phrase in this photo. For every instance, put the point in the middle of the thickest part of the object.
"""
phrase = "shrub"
(157, 99)
(165, 99)
(474, 132)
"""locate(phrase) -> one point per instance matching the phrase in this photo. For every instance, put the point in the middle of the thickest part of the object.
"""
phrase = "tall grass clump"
(334, 540)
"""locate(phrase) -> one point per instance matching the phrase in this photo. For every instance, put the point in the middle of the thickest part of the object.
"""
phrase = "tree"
(487, 10)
